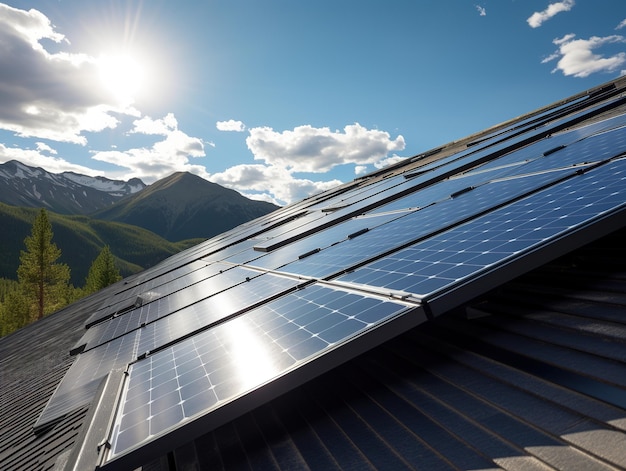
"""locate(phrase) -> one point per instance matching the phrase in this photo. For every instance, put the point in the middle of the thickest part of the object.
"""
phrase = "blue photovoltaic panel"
(451, 257)
(211, 369)
(569, 138)
(81, 381)
(128, 296)
(436, 192)
(84, 376)
(534, 136)
(319, 240)
(211, 310)
(592, 149)
(171, 296)
(418, 224)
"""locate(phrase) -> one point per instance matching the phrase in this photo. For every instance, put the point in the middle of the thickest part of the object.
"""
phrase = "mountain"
(64, 193)
(80, 239)
(184, 206)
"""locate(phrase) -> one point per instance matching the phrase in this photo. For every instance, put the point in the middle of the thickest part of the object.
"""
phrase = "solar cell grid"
(191, 294)
(211, 310)
(128, 296)
(173, 295)
(450, 257)
(583, 139)
(418, 224)
(212, 368)
(592, 149)
(81, 381)
(321, 239)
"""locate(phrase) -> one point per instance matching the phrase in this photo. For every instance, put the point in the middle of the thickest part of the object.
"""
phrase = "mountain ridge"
(178, 207)
(63, 193)
(183, 206)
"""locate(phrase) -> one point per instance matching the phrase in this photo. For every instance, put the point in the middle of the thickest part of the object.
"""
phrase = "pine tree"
(43, 281)
(102, 272)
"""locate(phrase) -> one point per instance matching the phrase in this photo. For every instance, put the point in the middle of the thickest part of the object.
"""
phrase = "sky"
(281, 99)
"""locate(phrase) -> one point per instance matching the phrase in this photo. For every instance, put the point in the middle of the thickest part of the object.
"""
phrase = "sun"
(122, 76)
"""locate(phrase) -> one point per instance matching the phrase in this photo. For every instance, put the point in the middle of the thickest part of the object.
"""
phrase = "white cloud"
(360, 169)
(49, 95)
(270, 183)
(621, 25)
(42, 147)
(577, 58)
(230, 125)
(394, 159)
(309, 149)
(162, 158)
(35, 158)
(482, 11)
(538, 18)
(162, 127)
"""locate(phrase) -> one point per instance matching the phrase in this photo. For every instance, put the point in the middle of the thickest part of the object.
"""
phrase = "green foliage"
(102, 272)
(7, 286)
(43, 281)
(15, 312)
(80, 239)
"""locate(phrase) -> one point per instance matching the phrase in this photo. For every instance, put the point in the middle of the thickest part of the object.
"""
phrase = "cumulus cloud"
(482, 11)
(43, 147)
(35, 158)
(539, 17)
(621, 25)
(394, 159)
(309, 149)
(576, 56)
(162, 158)
(162, 126)
(49, 95)
(270, 183)
(230, 125)
(360, 169)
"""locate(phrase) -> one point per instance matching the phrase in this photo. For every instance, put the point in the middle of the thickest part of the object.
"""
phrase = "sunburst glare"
(122, 76)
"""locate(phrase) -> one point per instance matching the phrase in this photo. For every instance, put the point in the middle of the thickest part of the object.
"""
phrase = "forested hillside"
(80, 239)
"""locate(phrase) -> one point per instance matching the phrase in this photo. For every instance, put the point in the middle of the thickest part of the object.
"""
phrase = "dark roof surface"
(530, 376)
(521, 374)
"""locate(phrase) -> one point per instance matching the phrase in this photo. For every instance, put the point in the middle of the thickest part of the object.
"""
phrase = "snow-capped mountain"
(65, 193)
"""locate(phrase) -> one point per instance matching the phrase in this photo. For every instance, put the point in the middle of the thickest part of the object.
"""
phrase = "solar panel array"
(224, 326)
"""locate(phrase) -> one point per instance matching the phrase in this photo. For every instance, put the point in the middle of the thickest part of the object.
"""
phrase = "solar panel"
(80, 383)
(212, 310)
(450, 258)
(418, 224)
(169, 297)
(217, 368)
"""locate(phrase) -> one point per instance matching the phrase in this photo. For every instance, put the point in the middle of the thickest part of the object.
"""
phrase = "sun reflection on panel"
(253, 362)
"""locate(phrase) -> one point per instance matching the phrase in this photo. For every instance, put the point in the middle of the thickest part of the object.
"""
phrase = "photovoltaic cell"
(451, 257)
(319, 240)
(418, 224)
(81, 381)
(592, 149)
(205, 372)
(171, 296)
(569, 138)
(129, 295)
(211, 310)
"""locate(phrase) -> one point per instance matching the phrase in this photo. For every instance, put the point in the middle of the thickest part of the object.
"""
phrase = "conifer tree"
(102, 272)
(43, 281)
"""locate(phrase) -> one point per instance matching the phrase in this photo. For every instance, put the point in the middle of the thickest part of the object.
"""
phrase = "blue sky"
(280, 99)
